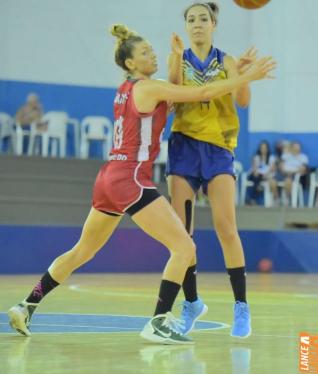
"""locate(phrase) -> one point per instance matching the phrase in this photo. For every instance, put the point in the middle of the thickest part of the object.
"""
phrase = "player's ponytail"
(126, 40)
(121, 32)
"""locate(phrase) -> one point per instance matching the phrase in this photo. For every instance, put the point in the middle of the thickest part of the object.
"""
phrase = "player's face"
(144, 59)
(199, 24)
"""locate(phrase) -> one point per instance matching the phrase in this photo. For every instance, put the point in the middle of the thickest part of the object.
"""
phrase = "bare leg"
(221, 193)
(160, 221)
(273, 186)
(182, 200)
(96, 231)
(180, 191)
(288, 187)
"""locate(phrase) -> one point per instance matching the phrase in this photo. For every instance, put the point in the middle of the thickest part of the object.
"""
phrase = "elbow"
(242, 99)
(175, 80)
(242, 102)
(243, 105)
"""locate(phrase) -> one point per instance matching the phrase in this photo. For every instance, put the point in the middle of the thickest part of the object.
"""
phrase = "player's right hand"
(177, 45)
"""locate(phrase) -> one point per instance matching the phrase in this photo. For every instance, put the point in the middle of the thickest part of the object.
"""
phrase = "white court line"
(215, 299)
(77, 288)
(308, 295)
(80, 326)
(262, 336)
(268, 317)
(127, 329)
(130, 332)
(106, 315)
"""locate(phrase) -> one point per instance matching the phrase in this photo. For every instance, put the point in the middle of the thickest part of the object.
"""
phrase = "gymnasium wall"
(31, 249)
(60, 49)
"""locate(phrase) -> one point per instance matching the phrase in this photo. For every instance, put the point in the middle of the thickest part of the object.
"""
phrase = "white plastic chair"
(96, 128)
(20, 133)
(160, 161)
(6, 129)
(56, 131)
(77, 134)
(313, 185)
(245, 183)
(297, 192)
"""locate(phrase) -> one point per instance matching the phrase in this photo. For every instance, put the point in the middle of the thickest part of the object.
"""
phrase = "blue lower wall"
(26, 249)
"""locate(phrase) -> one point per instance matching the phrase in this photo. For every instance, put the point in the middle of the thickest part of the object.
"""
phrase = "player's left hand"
(171, 107)
(245, 60)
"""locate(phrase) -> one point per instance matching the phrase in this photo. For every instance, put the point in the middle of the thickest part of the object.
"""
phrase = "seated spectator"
(293, 162)
(263, 169)
(281, 147)
(30, 112)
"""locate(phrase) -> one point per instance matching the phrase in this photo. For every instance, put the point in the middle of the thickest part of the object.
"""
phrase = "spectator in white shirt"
(292, 163)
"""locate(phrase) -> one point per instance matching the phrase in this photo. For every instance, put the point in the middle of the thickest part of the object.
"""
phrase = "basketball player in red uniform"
(124, 184)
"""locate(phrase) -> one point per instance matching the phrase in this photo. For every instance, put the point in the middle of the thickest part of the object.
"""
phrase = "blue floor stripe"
(84, 323)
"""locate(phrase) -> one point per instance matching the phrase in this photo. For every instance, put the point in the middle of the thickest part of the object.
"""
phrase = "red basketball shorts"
(119, 185)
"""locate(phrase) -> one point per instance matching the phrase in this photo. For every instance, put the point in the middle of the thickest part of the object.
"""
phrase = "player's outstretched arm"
(148, 93)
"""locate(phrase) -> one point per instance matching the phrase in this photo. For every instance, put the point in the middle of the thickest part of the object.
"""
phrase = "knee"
(185, 250)
(190, 250)
(226, 231)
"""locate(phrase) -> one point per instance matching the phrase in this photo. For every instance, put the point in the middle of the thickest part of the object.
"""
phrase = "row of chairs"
(297, 192)
(52, 140)
(100, 128)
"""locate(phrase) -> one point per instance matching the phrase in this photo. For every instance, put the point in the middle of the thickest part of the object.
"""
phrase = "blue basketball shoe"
(190, 313)
(242, 321)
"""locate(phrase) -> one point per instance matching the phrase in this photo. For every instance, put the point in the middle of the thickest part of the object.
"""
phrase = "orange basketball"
(265, 265)
(251, 4)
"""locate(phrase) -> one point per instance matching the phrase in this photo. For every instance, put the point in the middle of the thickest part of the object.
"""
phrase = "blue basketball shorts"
(197, 161)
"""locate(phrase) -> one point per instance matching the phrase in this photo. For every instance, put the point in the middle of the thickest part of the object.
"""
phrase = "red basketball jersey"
(120, 182)
(136, 135)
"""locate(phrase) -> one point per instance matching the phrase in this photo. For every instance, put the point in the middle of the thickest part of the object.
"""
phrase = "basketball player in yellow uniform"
(200, 154)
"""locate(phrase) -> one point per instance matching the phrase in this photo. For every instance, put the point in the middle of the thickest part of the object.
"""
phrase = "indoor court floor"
(91, 324)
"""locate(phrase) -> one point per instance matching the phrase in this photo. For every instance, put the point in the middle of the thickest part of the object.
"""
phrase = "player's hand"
(246, 59)
(177, 45)
(170, 107)
(261, 69)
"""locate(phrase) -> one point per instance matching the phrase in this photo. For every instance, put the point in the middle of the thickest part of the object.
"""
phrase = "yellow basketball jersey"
(214, 121)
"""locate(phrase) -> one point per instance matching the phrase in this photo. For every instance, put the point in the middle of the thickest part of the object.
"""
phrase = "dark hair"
(258, 152)
(126, 40)
(212, 8)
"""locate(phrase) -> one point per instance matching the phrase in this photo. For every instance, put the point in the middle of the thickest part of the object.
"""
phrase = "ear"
(130, 64)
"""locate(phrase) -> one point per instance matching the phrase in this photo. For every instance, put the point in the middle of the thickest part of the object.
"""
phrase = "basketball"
(251, 4)
(265, 265)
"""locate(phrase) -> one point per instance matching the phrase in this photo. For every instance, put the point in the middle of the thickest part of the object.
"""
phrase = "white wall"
(288, 30)
(65, 41)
